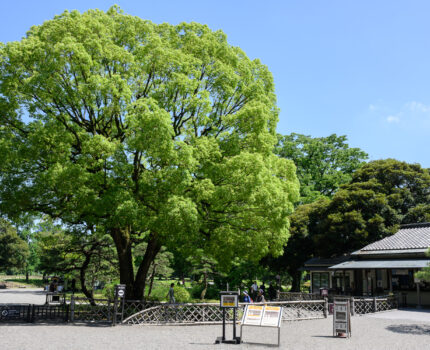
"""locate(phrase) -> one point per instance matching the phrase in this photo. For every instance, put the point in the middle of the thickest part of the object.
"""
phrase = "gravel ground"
(392, 330)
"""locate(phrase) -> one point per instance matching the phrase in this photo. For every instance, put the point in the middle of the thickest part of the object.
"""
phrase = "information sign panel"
(341, 318)
(262, 316)
(253, 315)
(272, 316)
(229, 300)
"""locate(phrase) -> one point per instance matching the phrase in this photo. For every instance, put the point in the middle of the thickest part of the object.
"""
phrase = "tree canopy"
(323, 163)
(158, 133)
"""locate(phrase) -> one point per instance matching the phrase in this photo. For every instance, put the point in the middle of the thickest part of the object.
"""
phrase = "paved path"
(398, 329)
(368, 332)
(23, 295)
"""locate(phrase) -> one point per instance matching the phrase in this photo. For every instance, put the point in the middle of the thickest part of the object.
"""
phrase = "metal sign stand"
(119, 294)
(229, 300)
(341, 318)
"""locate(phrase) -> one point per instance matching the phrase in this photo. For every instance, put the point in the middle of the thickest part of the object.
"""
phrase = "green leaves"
(323, 163)
(13, 249)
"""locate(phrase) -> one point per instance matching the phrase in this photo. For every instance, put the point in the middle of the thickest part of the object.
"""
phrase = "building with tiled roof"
(386, 266)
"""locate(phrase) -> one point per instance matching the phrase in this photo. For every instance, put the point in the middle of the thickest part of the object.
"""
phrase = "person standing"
(260, 297)
(254, 290)
(171, 294)
(246, 297)
(271, 292)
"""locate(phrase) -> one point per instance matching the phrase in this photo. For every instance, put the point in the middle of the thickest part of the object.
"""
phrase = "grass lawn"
(18, 281)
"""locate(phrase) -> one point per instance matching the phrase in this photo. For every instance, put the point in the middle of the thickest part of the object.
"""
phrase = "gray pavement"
(403, 329)
(23, 296)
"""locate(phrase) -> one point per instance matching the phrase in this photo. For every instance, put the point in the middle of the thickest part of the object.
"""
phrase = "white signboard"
(265, 316)
(272, 316)
(341, 318)
(253, 315)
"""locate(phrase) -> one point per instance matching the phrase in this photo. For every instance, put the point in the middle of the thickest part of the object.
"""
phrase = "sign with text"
(272, 316)
(229, 300)
(253, 315)
(262, 316)
(341, 318)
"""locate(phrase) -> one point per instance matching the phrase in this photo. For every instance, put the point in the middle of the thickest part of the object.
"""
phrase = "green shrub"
(211, 293)
(181, 294)
(109, 290)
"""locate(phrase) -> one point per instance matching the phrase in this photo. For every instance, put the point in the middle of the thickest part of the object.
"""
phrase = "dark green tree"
(13, 249)
(86, 253)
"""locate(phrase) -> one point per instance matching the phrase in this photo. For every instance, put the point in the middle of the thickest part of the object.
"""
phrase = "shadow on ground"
(410, 329)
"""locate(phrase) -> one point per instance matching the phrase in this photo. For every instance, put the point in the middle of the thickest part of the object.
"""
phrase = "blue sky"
(358, 68)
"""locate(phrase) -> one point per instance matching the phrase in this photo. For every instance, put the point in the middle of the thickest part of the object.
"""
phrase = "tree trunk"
(295, 284)
(205, 282)
(151, 252)
(122, 240)
(152, 280)
(82, 277)
(26, 275)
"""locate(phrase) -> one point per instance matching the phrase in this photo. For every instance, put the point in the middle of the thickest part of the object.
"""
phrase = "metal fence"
(33, 313)
(149, 312)
(211, 313)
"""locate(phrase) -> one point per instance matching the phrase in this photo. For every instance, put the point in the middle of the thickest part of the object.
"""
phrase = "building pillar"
(343, 282)
(418, 295)
(390, 279)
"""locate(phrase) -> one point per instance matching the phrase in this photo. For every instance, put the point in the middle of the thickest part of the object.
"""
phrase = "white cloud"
(372, 108)
(415, 106)
(393, 119)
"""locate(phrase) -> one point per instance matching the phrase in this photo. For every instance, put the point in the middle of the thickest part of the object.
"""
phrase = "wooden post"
(374, 305)
(352, 306)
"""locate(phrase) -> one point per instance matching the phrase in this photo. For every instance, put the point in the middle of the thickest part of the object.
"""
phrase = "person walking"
(171, 294)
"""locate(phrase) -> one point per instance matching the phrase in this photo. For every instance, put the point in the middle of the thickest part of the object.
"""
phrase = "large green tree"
(323, 163)
(158, 133)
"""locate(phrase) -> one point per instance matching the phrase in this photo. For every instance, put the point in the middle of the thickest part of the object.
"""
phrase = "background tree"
(381, 195)
(89, 254)
(203, 266)
(160, 267)
(323, 163)
(156, 133)
(13, 249)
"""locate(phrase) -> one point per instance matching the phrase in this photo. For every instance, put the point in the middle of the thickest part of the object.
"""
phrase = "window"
(319, 280)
